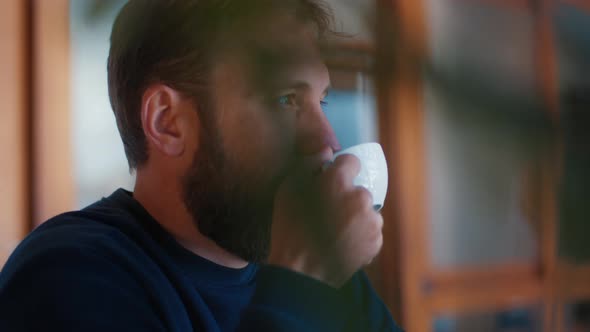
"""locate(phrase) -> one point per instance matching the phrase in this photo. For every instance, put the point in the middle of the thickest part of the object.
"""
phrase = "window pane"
(351, 102)
(99, 160)
(480, 111)
(483, 44)
(351, 110)
(573, 31)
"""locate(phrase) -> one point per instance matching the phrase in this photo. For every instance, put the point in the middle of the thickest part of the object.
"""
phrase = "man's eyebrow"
(302, 85)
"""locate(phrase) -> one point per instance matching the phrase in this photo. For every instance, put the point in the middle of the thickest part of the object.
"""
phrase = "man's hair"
(175, 42)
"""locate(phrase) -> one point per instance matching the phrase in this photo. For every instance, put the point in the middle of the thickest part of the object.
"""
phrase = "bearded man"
(238, 220)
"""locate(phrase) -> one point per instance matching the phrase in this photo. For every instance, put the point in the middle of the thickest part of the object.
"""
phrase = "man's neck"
(164, 203)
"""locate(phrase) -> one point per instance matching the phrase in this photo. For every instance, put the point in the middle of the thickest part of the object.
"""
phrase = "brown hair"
(174, 42)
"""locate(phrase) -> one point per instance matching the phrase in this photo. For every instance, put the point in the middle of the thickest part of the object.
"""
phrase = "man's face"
(266, 98)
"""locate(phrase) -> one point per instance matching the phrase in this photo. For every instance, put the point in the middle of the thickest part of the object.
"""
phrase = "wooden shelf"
(484, 288)
(508, 4)
(486, 297)
(573, 282)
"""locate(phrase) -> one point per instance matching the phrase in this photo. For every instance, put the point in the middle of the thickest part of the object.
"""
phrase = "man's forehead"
(280, 56)
(282, 50)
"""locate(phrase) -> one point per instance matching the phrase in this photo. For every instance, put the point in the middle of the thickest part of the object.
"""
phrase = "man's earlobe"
(161, 113)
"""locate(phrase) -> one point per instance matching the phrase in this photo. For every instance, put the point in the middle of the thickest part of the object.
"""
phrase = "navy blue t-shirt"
(112, 267)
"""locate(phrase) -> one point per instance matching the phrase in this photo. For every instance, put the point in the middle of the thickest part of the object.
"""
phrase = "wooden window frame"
(53, 170)
(14, 119)
(409, 278)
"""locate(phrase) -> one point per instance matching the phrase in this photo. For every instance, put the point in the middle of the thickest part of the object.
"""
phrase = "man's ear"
(164, 118)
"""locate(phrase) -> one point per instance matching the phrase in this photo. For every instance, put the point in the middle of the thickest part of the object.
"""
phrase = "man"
(219, 107)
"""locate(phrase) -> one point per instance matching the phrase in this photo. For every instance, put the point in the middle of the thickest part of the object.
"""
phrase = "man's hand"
(323, 225)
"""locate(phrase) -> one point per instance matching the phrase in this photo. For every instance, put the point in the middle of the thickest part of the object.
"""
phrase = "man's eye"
(288, 100)
(324, 104)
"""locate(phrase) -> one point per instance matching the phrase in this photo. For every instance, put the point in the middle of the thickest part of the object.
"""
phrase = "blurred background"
(482, 107)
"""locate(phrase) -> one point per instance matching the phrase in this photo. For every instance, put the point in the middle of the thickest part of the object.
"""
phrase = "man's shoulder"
(92, 232)
(92, 265)
(87, 227)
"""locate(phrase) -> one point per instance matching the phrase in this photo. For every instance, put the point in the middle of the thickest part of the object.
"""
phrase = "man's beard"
(231, 208)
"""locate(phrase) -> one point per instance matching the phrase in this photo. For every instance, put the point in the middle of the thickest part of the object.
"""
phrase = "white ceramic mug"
(373, 174)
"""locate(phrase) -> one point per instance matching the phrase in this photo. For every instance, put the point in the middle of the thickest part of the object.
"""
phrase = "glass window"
(351, 105)
(573, 31)
(478, 104)
(351, 109)
(99, 160)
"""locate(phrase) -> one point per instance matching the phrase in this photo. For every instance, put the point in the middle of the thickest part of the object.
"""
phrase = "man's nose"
(314, 132)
